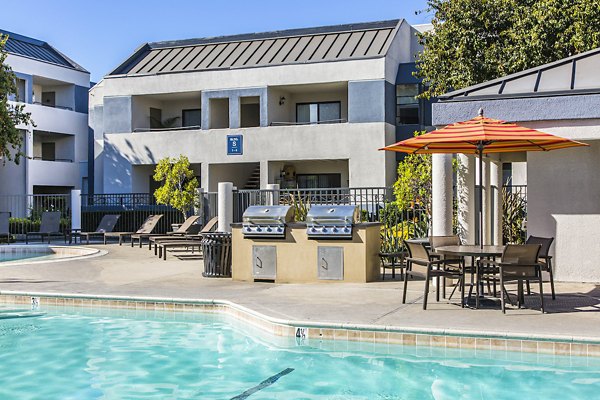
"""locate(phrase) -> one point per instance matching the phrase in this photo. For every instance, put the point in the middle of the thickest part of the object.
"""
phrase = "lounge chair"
(418, 255)
(192, 241)
(189, 227)
(145, 229)
(49, 227)
(107, 224)
(545, 259)
(5, 226)
(520, 262)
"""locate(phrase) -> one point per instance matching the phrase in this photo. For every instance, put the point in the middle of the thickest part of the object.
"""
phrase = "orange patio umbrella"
(480, 136)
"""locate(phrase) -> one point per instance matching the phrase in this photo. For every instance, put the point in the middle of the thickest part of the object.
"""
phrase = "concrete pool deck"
(136, 272)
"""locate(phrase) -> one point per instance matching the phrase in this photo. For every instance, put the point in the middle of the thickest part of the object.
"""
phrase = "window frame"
(318, 103)
(416, 105)
(183, 124)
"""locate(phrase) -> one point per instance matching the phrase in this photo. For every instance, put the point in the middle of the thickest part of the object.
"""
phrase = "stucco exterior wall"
(357, 143)
(563, 199)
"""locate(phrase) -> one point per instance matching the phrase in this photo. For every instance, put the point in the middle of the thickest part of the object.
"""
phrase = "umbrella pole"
(480, 194)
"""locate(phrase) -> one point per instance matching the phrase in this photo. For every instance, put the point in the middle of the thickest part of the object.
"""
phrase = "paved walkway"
(127, 271)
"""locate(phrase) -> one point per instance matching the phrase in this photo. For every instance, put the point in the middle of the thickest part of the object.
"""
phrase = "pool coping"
(96, 253)
(581, 346)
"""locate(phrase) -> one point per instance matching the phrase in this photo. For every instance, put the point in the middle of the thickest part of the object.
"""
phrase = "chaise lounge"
(49, 227)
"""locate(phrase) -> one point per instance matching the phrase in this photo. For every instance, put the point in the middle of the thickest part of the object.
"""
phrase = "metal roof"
(38, 50)
(329, 43)
(575, 74)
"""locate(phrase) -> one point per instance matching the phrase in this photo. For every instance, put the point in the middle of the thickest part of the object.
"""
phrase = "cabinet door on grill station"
(330, 262)
(264, 262)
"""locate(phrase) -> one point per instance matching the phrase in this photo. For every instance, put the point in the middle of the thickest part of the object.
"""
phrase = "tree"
(11, 137)
(178, 183)
(413, 186)
(473, 41)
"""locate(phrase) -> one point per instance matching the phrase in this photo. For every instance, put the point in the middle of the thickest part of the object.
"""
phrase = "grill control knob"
(258, 230)
(346, 230)
(324, 230)
(269, 229)
(335, 229)
(313, 230)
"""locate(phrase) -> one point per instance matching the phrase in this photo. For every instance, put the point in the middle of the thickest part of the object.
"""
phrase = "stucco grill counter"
(332, 246)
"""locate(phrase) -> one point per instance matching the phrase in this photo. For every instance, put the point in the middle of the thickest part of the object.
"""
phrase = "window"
(48, 151)
(311, 181)
(191, 117)
(155, 118)
(49, 99)
(315, 113)
(20, 90)
(407, 105)
(506, 173)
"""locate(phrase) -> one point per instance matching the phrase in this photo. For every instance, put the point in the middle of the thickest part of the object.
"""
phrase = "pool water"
(115, 354)
(8, 257)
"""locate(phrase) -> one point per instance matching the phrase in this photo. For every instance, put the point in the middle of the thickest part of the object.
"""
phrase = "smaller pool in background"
(18, 254)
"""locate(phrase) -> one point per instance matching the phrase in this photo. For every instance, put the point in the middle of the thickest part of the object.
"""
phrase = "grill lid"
(332, 215)
(268, 215)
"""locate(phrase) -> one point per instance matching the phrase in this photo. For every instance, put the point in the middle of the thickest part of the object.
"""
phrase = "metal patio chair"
(519, 263)
(545, 259)
(418, 255)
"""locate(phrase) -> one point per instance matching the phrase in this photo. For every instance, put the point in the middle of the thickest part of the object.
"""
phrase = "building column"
(75, 209)
(496, 201)
(225, 206)
(465, 193)
(273, 195)
(441, 194)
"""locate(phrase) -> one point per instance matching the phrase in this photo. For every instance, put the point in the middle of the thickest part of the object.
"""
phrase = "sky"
(100, 34)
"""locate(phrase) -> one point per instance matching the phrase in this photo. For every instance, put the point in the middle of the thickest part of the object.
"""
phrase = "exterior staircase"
(253, 182)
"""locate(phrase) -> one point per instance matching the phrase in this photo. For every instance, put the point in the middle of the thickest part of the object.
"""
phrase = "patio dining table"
(472, 251)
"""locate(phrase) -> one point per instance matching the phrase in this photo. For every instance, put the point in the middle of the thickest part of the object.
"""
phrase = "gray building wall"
(367, 101)
(117, 114)
(234, 105)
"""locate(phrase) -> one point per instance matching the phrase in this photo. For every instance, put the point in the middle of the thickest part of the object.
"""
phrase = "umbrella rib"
(537, 145)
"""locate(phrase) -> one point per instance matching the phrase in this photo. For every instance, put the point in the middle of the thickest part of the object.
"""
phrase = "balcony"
(316, 104)
(54, 94)
(52, 146)
(166, 112)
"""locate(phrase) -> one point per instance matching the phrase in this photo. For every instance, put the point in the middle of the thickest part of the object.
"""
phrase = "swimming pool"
(112, 353)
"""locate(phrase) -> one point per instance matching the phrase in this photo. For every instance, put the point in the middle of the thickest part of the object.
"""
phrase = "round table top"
(471, 250)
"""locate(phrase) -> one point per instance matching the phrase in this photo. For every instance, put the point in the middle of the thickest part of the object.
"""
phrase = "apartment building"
(55, 91)
(300, 108)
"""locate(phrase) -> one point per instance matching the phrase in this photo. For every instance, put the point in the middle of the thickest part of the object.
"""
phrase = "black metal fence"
(25, 211)
(133, 209)
(514, 218)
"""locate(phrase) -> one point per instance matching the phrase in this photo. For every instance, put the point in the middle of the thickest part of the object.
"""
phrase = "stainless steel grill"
(334, 222)
(266, 221)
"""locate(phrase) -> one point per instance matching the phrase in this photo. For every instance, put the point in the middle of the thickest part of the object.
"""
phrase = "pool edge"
(562, 345)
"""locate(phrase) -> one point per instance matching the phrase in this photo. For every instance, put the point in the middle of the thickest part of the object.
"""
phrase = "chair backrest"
(521, 254)
(4, 223)
(210, 225)
(439, 241)
(149, 224)
(108, 223)
(544, 242)
(417, 250)
(187, 224)
(50, 222)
